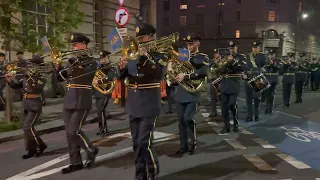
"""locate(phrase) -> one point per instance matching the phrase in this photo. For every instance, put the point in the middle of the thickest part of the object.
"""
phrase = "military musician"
(300, 78)
(232, 73)
(78, 103)
(288, 79)
(256, 60)
(2, 81)
(214, 63)
(314, 74)
(272, 75)
(102, 100)
(187, 103)
(144, 101)
(32, 85)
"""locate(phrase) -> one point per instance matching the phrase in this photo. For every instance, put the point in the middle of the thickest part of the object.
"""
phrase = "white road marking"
(213, 123)
(235, 144)
(293, 161)
(205, 115)
(202, 110)
(32, 173)
(258, 162)
(263, 143)
(288, 114)
(244, 131)
(126, 134)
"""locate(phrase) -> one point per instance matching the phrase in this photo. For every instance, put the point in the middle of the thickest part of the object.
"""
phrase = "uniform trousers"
(146, 161)
(73, 120)
(101, 104)
(170, 96)
(270, 95)
(2, 99)
(250, 94)
(298, 86)
(214, 99)
(32, 138)
(229, 102)
(286, 92)
(187, 125)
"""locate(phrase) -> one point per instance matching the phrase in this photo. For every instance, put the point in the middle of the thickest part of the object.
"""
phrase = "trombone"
(58, 56)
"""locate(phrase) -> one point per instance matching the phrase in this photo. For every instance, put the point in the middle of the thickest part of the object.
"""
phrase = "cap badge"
(72, 37)
(254, 43)
(137, 29)
(188, 37)
(101, 53)
(230, 43)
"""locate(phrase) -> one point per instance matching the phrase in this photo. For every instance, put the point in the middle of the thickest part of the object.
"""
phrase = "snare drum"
(259, 83)
(216, 84)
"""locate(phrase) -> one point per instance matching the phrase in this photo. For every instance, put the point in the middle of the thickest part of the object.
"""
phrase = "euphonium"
(105, 88)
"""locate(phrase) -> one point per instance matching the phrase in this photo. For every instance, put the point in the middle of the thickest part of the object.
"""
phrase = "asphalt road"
(284, 145)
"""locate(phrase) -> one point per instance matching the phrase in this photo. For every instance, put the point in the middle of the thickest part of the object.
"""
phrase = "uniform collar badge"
(137, 29)
(189, 37)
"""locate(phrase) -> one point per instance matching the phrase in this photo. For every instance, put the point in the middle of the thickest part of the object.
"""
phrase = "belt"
(31, 96)
(271, 74)
(78, 86)
(289, 74)
(231, 75)
(144, 86)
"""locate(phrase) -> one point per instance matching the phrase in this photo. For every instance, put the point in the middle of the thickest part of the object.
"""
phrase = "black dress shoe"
(104, 132)
(286, 105)
(192, 148)
(169, 112)
(181, 151)
(249, 119)
(152, 177)
(225, 131)
(213, 115)
(30, 154)
(40, 150)
(235, 128)
(257, 118)
(99, 133)
(71, 168)
(91, 158)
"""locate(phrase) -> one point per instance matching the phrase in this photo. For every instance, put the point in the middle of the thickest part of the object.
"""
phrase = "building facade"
(275, 22)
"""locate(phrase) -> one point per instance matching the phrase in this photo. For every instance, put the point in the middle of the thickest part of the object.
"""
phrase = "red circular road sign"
(121, 16)
(121, 2)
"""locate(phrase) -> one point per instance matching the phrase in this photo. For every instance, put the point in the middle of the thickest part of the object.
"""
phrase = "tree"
(20, 26)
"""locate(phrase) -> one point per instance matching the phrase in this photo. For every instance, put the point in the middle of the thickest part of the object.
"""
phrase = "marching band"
(143, 69)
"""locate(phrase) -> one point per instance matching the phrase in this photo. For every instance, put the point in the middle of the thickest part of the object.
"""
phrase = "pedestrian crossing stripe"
(293, 161)
(258, 162)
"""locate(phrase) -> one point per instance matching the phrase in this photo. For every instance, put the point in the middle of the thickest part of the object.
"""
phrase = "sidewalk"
(52, 118)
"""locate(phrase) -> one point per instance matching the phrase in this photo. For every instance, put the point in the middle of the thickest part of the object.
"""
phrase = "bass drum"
(259, 83)
(217, 84)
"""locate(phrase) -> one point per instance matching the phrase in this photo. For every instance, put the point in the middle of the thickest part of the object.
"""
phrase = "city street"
(284, 145)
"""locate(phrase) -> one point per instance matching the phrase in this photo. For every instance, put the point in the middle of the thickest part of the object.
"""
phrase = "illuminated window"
(183, 20)
(237, 34)
(272, 16)
(183, 6)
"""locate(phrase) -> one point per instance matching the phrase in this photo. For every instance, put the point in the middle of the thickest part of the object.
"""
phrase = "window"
(239, 1)
(237, 34)
(183, 20)
(97, 27)
(272, 16)
(183, 6)
(238, 16)
(166, 5)
(166, 22)
(200, 19)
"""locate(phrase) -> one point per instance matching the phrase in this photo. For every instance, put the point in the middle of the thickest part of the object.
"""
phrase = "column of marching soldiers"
(258, 71)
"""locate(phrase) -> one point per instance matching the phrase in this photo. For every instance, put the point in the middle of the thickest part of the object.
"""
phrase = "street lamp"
(304, 16)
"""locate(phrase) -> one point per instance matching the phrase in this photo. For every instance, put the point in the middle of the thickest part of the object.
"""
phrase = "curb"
(50, 130)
